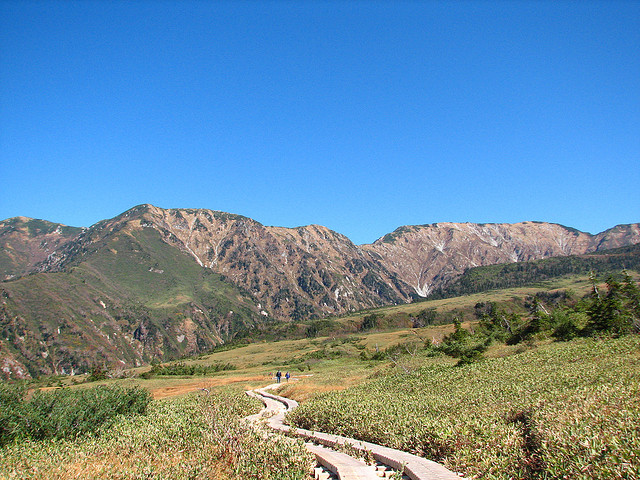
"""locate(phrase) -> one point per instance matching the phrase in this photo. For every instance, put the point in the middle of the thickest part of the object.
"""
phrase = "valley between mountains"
(155, 284)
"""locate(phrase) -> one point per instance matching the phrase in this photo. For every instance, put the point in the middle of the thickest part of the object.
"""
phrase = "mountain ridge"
(432, 255)
(155, 283)
(26, 218)
(428, 256)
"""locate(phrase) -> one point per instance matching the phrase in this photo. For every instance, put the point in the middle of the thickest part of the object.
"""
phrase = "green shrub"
(566, 327)
(182, 368)
(98, 373)
(463, 345)
(370, 321)
(66, 413)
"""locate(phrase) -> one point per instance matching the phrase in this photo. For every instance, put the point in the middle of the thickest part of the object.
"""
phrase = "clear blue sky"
(360, 116)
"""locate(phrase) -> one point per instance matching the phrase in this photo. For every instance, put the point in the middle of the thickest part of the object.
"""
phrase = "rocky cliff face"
(429, 256)
(292, 273)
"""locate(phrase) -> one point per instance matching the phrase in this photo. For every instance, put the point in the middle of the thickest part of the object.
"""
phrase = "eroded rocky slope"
(292, 273)
(25, 242)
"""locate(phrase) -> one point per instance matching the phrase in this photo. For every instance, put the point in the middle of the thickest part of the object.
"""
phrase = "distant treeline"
(181, 368)
(510, 275)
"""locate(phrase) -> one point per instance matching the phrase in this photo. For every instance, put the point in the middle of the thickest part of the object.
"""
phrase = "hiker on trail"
(287, 376)
(278, 375)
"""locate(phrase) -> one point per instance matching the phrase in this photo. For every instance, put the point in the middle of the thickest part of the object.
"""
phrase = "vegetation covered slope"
(564, 410)
(538, 408)
(198, 436)
(129, 300)
(552, 410)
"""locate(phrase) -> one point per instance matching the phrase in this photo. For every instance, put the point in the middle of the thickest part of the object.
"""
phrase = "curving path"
(341, 465)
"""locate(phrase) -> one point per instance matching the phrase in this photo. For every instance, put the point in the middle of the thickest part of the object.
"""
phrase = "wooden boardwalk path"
(329, 448)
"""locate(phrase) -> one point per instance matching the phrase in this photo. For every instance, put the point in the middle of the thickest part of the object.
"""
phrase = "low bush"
(65, 413)
(182, 368)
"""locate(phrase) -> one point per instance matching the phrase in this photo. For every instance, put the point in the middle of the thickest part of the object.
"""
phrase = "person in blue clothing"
(287, 376)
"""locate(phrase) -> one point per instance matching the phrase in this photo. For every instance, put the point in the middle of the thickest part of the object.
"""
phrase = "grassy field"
(320, 363)
(579, 284)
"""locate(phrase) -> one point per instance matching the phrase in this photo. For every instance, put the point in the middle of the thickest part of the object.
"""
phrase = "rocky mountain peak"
(292, 272)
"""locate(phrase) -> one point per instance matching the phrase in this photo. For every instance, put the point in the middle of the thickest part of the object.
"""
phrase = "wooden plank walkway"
(412, 466)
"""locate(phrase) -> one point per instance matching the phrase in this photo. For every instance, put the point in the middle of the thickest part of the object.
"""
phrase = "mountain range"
(153, 284)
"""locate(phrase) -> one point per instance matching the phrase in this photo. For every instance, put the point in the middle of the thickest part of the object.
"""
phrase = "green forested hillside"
(480, 279)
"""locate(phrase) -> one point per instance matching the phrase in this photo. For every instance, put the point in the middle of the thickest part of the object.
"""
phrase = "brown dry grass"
(303, 391)
(327, 375)
(121, 465)
(244, 382)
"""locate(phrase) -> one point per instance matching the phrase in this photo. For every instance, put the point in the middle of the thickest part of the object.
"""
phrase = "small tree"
(98, 373)
(537, 321)
(497, 323)
(565, 325)
(369, 322)
(631, 293)
(464, 346)
(616, 312)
